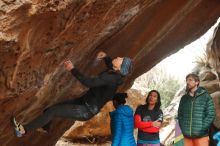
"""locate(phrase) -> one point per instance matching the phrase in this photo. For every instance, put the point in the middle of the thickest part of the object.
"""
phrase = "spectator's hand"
(156, 124)
(68, 65)
(101, 55)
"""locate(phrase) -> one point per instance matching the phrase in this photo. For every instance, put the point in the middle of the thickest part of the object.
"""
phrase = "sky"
(182, 62)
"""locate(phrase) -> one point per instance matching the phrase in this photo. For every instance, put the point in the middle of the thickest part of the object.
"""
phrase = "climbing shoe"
(19, 129)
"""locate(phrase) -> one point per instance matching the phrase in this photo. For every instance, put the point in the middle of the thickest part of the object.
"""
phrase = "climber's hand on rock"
(68, 65)
(101, 55)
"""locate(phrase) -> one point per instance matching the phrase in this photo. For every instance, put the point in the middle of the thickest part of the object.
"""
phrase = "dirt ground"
(64, 142)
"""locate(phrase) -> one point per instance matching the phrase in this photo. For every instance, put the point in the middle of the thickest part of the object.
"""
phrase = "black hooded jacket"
(102, 87)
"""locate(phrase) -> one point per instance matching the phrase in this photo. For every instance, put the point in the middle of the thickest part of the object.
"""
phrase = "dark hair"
(120, 98)
(158, 104)
(194, 76)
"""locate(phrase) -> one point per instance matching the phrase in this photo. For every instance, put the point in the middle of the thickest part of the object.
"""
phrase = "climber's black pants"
(72, 109)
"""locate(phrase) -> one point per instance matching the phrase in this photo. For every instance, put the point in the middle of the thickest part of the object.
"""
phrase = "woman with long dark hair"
(148, 119)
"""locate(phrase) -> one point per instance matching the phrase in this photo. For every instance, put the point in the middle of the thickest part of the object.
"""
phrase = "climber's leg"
(75, 112)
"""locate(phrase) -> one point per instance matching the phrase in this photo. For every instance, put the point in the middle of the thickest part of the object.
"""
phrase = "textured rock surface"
(36, 36)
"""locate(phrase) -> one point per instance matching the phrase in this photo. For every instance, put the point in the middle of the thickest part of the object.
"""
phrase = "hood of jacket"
(200, 91)
(125, 110)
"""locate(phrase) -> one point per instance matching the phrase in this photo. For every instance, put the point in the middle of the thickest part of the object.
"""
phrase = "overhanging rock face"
(36, 36)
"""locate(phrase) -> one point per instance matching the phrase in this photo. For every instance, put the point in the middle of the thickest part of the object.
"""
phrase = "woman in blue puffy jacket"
(122, 122)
